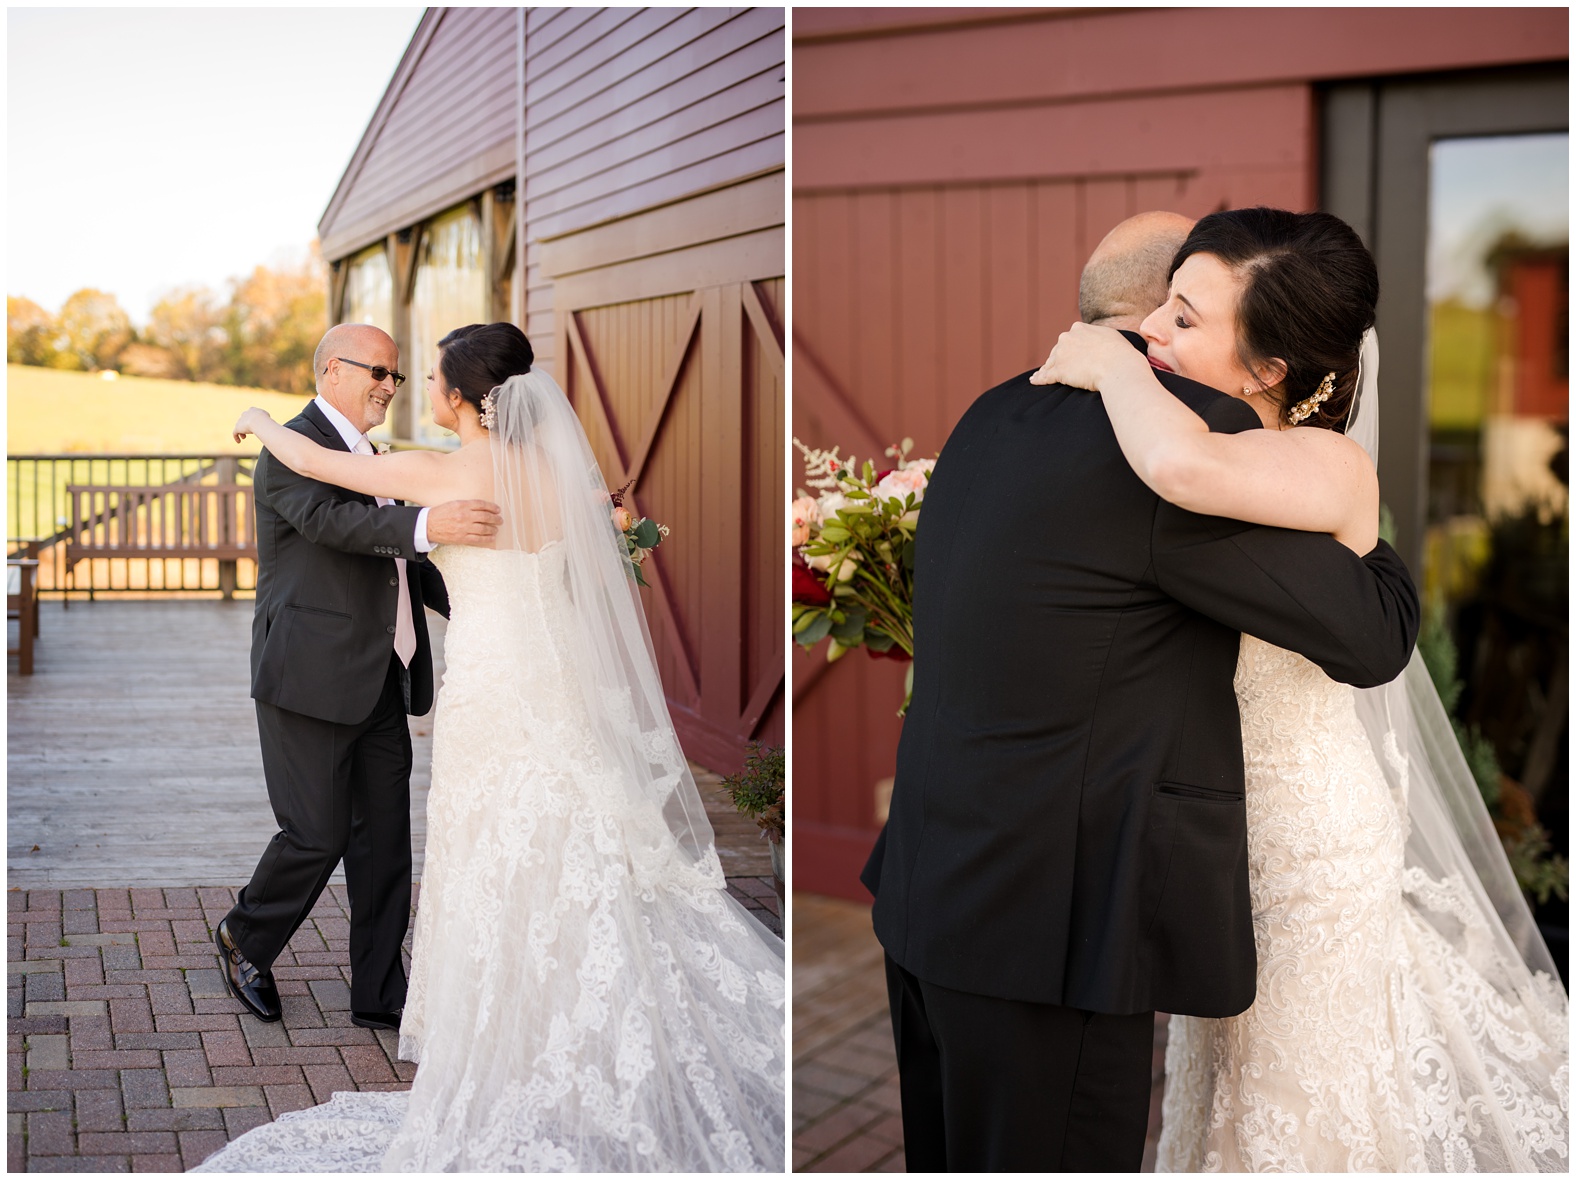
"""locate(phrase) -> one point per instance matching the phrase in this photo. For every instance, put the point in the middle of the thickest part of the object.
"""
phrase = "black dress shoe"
(255, 989)
(388, 1020)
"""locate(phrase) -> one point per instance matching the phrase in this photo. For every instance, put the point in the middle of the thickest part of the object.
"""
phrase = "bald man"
(340, 656)
(1066, 851)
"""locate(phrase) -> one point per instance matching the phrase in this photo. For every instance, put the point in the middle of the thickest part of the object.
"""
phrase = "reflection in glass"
(369, 290)
(369, 299)
(449, 292)
(1496, 556)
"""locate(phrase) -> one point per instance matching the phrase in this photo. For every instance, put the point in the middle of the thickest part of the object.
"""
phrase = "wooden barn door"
(683, 393)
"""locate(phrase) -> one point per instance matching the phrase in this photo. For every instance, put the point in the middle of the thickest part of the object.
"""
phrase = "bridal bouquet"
(853, 567)
(641, 534)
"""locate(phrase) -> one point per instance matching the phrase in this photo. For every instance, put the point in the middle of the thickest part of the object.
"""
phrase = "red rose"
(807, 588)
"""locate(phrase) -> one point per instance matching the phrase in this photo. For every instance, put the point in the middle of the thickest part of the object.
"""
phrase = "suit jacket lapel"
(331, 438)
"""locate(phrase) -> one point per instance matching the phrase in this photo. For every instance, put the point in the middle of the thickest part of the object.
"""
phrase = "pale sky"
(154, 148)
(1478, 188)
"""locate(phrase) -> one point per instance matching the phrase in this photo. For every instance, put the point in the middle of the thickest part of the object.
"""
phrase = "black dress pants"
(991, 1085)
(338, 792)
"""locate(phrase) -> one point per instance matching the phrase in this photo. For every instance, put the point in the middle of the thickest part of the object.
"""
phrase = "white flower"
(898, 485)
(830, 503)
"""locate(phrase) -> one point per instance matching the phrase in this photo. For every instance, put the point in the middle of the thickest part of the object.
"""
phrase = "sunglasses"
(378, 371)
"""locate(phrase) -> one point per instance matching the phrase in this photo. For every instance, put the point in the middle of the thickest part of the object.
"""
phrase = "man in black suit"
(1066, 851)
(340, 656)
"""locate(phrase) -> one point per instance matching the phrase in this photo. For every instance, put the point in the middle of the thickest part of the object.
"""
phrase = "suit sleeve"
(434, 592)
(1357, 618)
(321, 514)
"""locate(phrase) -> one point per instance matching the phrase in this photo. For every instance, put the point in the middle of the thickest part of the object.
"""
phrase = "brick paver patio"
(846, 1112)
(126, 1053)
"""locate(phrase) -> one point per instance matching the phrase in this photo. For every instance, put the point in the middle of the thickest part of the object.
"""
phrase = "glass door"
(1459, 186)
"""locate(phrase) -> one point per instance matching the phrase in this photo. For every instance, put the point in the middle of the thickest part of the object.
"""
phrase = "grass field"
(50, 412)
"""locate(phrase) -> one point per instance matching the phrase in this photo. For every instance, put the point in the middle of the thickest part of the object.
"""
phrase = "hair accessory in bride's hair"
(1308, 405)
(489, 409)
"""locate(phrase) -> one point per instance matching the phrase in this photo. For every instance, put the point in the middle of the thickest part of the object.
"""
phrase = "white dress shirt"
(404, 625)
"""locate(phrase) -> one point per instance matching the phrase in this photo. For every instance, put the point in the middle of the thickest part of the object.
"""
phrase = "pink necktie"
(404, 626)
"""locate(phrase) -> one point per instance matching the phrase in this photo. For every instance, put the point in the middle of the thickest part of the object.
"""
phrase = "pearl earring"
(1247, 391)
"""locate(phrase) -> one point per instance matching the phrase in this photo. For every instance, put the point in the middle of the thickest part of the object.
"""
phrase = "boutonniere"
(381, 448)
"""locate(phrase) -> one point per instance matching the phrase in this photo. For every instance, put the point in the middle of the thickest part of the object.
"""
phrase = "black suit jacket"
(1067, 824)
(328, 590)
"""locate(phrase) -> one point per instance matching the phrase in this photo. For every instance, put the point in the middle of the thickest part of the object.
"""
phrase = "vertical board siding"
(714, 476)
(765, 540)
(911, 300)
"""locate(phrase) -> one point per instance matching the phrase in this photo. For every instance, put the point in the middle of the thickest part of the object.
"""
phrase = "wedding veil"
(1456, 876)
(556, 509)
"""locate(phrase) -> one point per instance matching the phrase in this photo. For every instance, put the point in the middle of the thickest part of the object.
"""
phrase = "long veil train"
(584, 994)
(1451, 842)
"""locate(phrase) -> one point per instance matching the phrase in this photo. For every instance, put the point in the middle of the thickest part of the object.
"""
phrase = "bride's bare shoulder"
(1344, 458)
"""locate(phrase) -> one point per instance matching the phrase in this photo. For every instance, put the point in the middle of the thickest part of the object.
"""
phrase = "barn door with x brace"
(683, 395)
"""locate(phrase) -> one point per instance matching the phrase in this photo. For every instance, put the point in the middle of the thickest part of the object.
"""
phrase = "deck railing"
(39, 523)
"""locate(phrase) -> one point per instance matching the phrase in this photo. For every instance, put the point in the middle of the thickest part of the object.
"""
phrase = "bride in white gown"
(584, 994)
(1408, 1016)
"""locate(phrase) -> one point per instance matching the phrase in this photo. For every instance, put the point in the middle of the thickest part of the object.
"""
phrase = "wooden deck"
(132, 753)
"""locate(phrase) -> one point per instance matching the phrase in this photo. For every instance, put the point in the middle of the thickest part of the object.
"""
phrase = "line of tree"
(261, 335)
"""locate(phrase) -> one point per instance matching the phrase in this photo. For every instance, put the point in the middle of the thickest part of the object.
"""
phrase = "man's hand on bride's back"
(464, 522)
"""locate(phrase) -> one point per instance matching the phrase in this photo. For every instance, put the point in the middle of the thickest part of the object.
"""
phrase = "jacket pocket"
(317, 610)
(1191, 791)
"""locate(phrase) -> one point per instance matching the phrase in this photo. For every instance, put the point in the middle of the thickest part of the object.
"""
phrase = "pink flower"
(622, 519)
(804, 516)
(900, 484)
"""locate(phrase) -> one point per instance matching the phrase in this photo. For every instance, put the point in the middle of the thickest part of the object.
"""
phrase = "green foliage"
(262, 336)
(1386, 524)
(1438, 650)
(1481, 760)
(31, 334)
(757, 790)
(93, 329)
(1538, 872)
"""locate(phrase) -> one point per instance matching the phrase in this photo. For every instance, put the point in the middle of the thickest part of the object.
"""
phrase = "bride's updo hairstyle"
(1309, 291)
(478, 358)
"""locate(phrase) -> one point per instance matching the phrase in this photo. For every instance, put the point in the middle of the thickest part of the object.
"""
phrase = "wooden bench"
(205, 521)
(21, 604)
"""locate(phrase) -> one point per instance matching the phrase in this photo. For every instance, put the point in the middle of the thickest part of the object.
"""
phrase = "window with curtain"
(449, 291)
(369, 290)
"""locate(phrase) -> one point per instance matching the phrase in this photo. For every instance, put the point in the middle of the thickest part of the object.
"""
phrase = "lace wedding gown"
(1374, 1044)
(569, 1013)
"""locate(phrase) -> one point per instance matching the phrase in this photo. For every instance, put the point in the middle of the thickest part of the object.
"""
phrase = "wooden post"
(401, 249)
(228, 579)
(498, 260)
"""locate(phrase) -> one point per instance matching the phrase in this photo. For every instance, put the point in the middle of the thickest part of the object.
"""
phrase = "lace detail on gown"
(577, 1001)
(1373, 1044)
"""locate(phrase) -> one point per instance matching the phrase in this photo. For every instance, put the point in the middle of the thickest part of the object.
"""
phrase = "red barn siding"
(444, 130)
(647, 150)
(953, 168)
(628, 108)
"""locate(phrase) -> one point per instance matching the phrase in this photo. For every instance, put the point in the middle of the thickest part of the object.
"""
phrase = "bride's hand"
(247, 423)
(1085, 356)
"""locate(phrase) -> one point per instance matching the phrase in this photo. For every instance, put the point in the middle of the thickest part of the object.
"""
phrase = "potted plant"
(757, 791)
